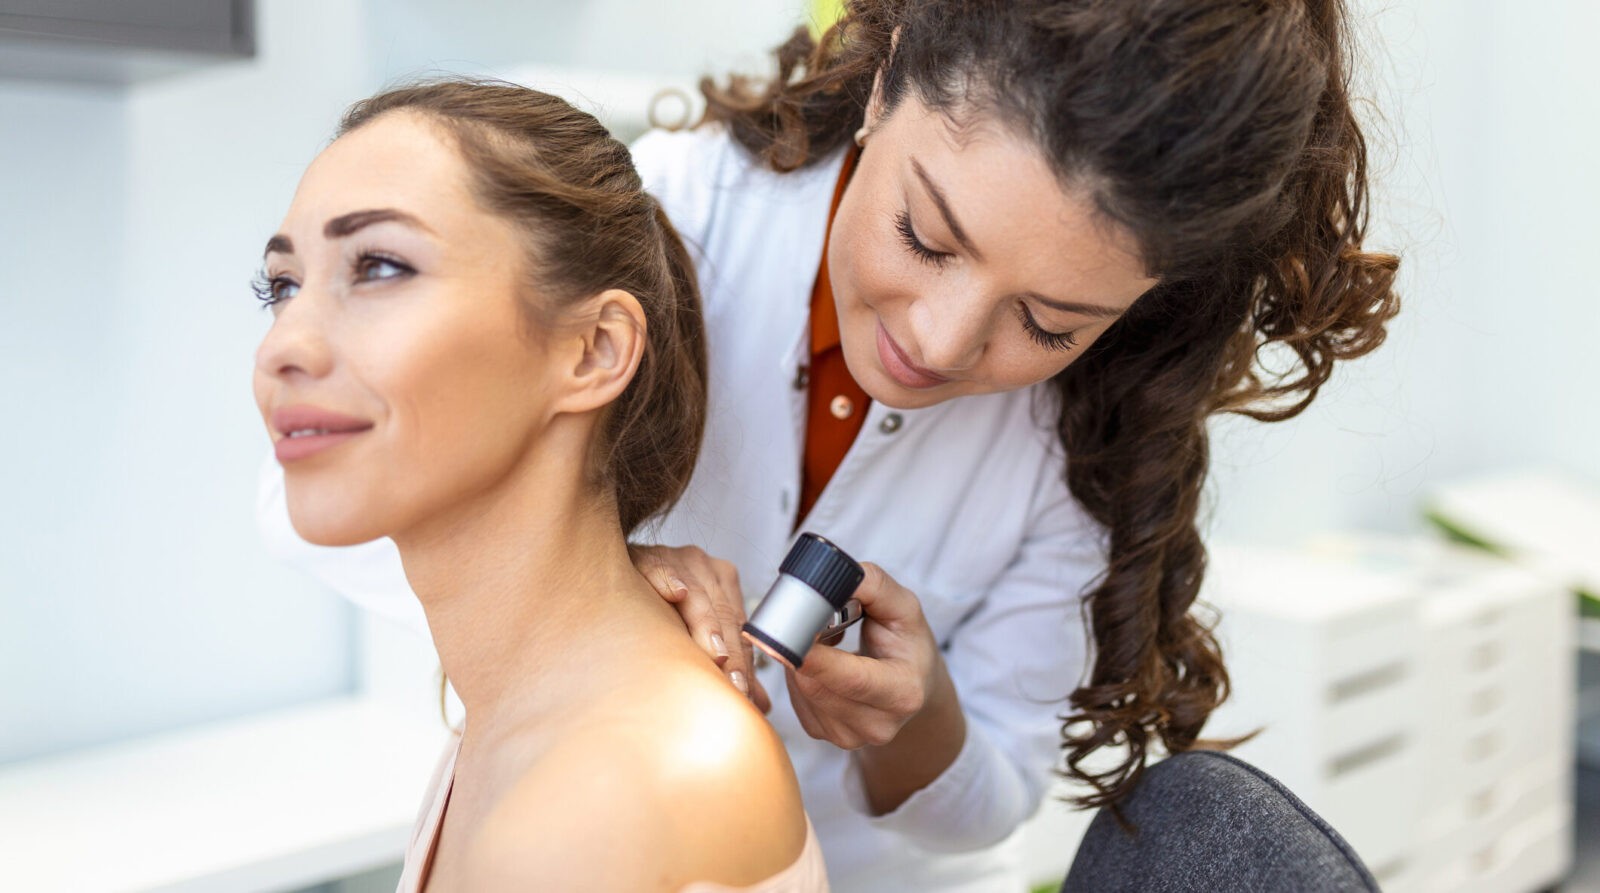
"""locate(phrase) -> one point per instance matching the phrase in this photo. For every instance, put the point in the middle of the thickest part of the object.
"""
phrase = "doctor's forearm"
(924, 749)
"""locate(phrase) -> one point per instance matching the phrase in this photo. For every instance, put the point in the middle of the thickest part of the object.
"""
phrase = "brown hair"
(572, 188)
(1220, 135)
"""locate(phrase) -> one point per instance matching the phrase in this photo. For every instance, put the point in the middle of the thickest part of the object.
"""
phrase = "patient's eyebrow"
(345, 224)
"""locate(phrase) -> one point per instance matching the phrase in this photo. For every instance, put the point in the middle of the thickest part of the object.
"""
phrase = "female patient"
(487, 345)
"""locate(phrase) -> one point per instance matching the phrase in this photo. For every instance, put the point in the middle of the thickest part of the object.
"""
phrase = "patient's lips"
(306, 430)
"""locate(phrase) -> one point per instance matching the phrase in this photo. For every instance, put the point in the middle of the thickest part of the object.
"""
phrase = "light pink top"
(806, 875)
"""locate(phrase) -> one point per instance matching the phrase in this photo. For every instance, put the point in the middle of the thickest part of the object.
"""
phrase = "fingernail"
(718, 646)
(738, 682)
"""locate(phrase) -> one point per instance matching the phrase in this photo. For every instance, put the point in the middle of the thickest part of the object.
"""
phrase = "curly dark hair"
(1220, 135)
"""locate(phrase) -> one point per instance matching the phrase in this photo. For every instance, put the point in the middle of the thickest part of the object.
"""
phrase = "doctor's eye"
(908, 236)
(1043, 338)
(272, 290)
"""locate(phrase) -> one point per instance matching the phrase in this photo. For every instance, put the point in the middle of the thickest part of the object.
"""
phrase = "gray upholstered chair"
(1209, 822)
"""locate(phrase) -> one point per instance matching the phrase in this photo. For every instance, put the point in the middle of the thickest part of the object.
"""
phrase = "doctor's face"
(399, 379)
(961, 266)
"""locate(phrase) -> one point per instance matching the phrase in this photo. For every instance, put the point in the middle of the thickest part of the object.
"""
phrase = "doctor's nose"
(951, 334)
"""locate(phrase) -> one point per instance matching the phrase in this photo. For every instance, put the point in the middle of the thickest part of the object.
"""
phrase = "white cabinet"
(1324, 662)
(1419, 697)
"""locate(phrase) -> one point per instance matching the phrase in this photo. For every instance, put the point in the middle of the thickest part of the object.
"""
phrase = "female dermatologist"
(976, 273)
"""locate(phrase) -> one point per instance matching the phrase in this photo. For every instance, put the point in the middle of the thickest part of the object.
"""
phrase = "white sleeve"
(1014, 660)
(369, 574)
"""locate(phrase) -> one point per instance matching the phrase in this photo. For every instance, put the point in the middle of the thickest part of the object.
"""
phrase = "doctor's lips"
(305, 430)
(899, 366)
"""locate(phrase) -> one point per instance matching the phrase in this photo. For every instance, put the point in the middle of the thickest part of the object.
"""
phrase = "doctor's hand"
(706, 592)
(893, 703)
(892, 698)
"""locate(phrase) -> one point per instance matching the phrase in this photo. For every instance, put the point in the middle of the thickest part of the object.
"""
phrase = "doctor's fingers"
(730, 611)
(802, 710)
(714, 613)
(886, 601)
(706, 593)
(814, 724)
(651, 563)
(759, 696)
(840, 682)
(662, 569)
(845, 724)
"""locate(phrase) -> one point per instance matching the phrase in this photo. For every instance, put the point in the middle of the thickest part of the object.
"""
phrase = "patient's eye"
(272, 290)
(373, 266)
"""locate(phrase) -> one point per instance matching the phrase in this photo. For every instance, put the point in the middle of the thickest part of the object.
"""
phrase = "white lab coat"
(963, 503)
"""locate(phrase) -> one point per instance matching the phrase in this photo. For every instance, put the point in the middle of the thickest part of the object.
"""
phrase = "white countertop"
(273, 801)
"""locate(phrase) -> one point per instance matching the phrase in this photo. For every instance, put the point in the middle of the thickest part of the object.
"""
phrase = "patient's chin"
(331, 519)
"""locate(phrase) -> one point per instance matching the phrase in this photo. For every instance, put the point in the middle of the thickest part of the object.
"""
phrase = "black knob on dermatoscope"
(815, 584)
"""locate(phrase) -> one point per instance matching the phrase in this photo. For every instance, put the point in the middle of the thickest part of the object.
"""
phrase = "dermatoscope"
(810, 601)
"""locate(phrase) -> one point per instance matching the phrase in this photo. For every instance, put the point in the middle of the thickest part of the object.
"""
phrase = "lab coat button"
(891, 423)
(802, 377)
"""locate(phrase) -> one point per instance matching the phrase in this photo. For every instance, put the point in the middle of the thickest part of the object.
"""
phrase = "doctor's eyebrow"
(345, 224)
(938, 196)
(1094, 310)
(943, 204)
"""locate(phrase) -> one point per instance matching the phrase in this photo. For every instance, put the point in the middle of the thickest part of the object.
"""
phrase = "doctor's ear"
(605, 351)
(875, 102)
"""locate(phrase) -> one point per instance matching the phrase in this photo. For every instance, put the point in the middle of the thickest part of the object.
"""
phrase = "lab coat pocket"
(951, 593)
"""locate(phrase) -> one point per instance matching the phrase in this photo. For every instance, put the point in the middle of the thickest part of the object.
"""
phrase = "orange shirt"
(836, 406)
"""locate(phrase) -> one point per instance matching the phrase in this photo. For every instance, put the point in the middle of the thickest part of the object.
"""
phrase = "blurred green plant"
(823, 14)
(1588, 602)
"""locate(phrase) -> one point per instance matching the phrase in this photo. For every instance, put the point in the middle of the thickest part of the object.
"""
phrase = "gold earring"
(861, 135)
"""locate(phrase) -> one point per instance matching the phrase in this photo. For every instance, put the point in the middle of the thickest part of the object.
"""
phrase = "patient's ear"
(606, 348)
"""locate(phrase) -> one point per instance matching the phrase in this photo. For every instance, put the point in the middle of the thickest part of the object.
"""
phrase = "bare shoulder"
(672, 781)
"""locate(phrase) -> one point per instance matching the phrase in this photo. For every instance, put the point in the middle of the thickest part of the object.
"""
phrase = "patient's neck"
(526, 587)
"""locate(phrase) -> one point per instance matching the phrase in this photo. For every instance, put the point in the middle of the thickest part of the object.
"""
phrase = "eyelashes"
(1059, 341)
(1050, 340)
(908, 236)
(265, 288)
(271, 290)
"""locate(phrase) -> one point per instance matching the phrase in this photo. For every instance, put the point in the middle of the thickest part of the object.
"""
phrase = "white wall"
(1487, 190)
(61, 160)
(133, 594)
(411, 36)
